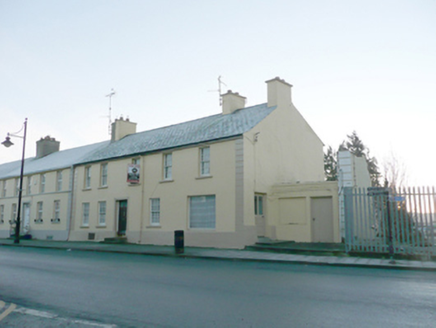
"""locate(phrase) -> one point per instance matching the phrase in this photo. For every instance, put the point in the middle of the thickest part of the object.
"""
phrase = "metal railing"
(384, 220)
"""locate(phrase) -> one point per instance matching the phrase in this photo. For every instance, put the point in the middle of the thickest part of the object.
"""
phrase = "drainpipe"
(70, 202)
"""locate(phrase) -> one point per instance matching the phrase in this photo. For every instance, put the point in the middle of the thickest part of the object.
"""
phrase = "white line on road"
(48, 315)
(9, 310)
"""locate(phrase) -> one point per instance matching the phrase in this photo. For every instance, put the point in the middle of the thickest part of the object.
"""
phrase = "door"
(259, 214)
(25, 227)
(322, 219)
(122, 217)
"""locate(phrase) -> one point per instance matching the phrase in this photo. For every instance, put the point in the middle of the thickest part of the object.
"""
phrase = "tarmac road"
(55, 288)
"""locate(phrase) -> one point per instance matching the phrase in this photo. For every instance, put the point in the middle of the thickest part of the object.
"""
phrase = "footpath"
(263, 254)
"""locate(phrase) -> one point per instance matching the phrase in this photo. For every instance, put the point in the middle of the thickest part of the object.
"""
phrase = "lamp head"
(7, 143)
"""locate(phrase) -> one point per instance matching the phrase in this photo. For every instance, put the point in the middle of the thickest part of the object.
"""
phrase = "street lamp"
(7, 143)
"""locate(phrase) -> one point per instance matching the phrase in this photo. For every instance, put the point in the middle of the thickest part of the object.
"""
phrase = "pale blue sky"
(367, 66)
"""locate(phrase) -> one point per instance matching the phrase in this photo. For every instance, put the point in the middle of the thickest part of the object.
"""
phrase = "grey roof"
(55, 161)
(205, 129)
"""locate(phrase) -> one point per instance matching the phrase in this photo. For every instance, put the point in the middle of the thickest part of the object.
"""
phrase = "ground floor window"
(155, 211)
(258, 205)
(101, 213)
(202, 212)
(85, 214)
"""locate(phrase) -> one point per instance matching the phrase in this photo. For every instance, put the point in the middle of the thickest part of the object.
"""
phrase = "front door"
(122, 217)
(322, 219)
(26, 218)
(259, 214)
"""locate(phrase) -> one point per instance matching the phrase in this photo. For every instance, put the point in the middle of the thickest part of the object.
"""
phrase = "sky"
(365, 66)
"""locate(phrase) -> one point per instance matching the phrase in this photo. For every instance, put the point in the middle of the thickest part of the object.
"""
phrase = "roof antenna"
(220, 83)
(112, 93)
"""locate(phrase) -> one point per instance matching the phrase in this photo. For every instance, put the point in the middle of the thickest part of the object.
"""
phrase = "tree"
(331, 165)
(355, 146)
(394, 172)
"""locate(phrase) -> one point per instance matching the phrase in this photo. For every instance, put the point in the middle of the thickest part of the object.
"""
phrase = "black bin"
(179, 241)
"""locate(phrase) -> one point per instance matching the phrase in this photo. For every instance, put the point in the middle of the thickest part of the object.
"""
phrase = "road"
(87, 289)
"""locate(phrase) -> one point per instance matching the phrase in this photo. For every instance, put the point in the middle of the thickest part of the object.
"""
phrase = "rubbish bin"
(179, 241)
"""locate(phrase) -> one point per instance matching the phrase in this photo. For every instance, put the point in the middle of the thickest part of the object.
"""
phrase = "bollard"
(179, 241)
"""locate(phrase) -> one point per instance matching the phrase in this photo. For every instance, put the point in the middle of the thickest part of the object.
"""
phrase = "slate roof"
(55, 161)
(205, 129)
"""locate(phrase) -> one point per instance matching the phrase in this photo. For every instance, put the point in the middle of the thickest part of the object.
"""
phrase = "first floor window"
(103, 175)
(39, 207)
(59, 181)
(29, 185)
(155, 211)
(202, 212)
(17, 186)
(87, 183)
(205, 161)
(42, 183)
(101, 213)
(4, 189)
(85, 214)
(57, 210)
(168, 166)
(2, 213)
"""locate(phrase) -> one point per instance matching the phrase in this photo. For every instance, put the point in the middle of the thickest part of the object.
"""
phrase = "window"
(168, 166)
(205, 161)
(155, 211)
(56, 211)
(4, 189)
(87, 177)
(202, 212)
(29, 185)
(39, 208)
(85, 214)
(14, 212)
(258, 205)
(59, 180)
(2, 214)
(42, 183)
(102, 213)
(17, 186)
(103, 175)
(136, 161)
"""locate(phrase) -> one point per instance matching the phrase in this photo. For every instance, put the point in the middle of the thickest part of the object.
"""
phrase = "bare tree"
(394, 172)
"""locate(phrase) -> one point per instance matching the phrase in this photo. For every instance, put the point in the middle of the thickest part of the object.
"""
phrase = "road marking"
(48, 315)
(2, 304)
(7, 311)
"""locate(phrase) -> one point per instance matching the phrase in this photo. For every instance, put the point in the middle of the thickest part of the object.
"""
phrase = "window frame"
(14, 212)
(59, 180)
(259, 205)
(103, 175)
(42, 183)
(29, 185)
(102, 214)
(87, 177)
(2, 213)
(17, 186)
(168, 168)
(204, 169)
(57, 210)
(85, 223)
(4, 187)
(196, 224)
(154, 210)
(39, 211)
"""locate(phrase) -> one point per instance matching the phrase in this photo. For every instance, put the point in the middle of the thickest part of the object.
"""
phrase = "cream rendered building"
(46, 196)
(225, 180)
(209, 177)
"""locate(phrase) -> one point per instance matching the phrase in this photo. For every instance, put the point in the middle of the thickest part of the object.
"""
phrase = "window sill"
(204, 177)
(133, 184)
(154, 227)
(103, 187)
(84, 227)
(86, 189)
(166, 181)
(101, 226)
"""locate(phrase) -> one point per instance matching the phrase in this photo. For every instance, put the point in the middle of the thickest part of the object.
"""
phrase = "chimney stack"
(232, 101)
(279, 92)
(46, 146)
(122, 128)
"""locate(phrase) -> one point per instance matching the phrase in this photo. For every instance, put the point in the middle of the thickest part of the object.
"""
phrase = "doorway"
(122, 217)
(25, 227)
(259, 214)
(322, 219)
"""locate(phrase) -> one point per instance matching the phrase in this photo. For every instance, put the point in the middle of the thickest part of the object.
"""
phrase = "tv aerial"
(110, 95)
(220, 83)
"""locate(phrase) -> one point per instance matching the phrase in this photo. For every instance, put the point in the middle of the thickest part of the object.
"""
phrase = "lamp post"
(8, 143)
